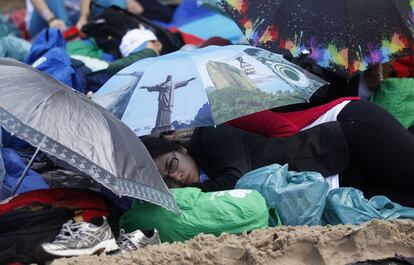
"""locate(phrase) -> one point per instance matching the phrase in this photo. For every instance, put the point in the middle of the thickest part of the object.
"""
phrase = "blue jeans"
(107, 3)
(37, 23)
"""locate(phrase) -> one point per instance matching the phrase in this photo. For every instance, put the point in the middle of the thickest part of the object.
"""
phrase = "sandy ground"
(342, 244)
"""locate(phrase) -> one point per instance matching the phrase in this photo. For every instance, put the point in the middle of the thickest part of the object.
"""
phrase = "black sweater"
(226, 153)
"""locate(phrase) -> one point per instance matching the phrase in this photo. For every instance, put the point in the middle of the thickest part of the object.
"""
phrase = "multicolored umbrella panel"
(203, 87)
(345, 36)
(71, 128)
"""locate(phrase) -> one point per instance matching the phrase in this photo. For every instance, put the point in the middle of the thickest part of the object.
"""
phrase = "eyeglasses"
(172, 164)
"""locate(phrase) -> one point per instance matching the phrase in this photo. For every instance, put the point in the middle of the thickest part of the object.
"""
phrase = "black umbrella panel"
(345, 36)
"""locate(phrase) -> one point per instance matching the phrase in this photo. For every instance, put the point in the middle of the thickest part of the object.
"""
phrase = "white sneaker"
(82, 238)
(132, 241)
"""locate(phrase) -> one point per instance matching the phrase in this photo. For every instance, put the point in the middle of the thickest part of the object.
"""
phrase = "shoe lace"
(71, 231)
(126, 242)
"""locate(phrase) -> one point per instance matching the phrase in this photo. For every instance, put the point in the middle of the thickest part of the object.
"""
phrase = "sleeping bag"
(232, 211)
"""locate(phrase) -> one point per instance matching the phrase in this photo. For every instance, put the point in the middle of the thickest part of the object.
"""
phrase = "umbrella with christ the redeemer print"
(203, 87)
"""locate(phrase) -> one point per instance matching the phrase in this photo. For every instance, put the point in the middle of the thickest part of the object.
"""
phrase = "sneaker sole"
(104, 246)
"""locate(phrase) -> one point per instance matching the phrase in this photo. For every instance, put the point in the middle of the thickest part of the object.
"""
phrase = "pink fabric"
(18, 19)
(404, 66)
(266, 123)
(282, 124)
(214, 41)
(89, 204)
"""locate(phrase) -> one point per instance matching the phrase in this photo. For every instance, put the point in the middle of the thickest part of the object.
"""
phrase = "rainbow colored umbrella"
(345, 36)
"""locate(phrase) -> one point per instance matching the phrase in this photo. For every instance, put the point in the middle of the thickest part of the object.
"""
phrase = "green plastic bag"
(397, 96)
(233, 211)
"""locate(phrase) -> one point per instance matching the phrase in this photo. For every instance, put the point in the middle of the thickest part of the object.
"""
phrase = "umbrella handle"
(21, 178)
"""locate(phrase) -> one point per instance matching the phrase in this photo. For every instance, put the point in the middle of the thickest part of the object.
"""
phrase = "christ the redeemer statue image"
(165, 101)
(118, 100)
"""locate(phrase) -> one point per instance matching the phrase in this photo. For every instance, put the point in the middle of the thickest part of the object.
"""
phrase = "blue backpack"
(48, 54)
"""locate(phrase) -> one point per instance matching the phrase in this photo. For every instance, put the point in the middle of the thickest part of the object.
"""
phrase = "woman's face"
(178, 166)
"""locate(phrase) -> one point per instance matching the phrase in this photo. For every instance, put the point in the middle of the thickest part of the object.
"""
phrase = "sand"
(341, 244)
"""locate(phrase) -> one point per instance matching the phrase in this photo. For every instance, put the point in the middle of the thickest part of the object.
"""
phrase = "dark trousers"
(381, 150)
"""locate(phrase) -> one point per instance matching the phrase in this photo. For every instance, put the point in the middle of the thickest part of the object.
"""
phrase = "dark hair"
(159, 146)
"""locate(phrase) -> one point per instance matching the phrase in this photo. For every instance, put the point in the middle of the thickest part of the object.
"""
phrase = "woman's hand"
(155, 45)
(57, 23)
(179, 135)
(81, 22)
(135, 7)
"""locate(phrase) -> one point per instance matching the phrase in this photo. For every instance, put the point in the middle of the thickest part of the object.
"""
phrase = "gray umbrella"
(70, 127)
